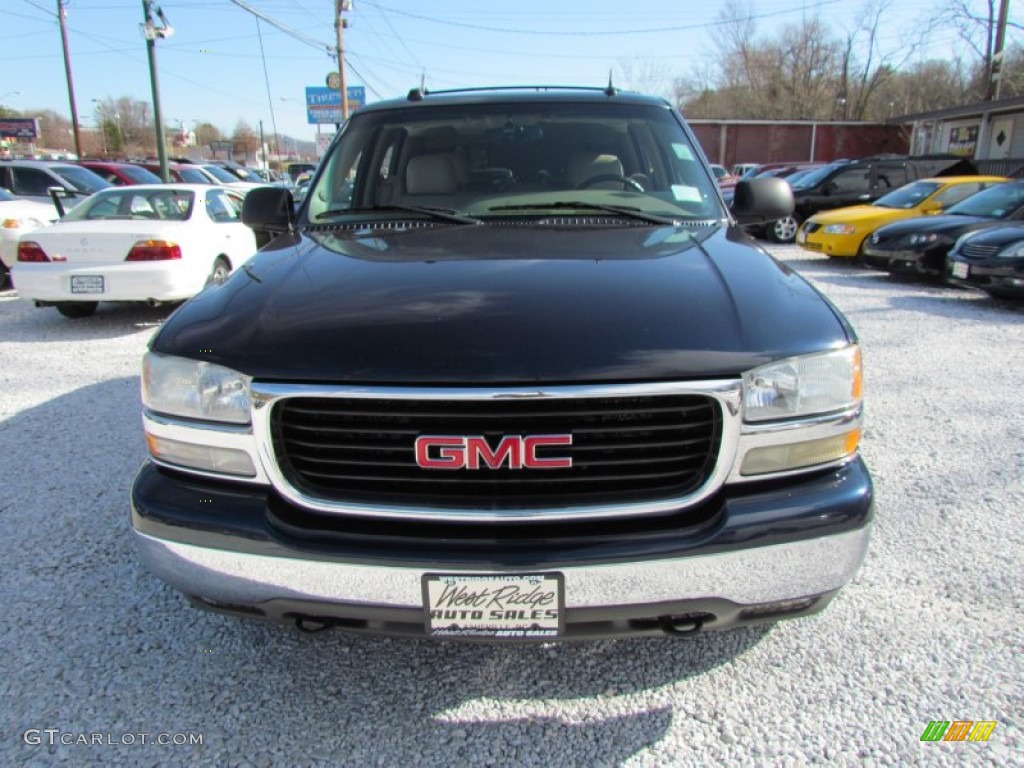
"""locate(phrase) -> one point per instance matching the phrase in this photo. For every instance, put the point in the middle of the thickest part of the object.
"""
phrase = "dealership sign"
(19, 128)
(323, 105)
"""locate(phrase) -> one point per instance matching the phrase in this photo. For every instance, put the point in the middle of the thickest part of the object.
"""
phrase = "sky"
(212, 70)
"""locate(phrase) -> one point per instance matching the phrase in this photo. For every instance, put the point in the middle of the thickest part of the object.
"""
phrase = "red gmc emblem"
(473, 452)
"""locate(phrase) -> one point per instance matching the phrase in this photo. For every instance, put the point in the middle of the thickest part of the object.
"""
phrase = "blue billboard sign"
(323, 105)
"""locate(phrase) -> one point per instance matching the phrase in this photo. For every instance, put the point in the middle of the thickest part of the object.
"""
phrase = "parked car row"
(967, 230)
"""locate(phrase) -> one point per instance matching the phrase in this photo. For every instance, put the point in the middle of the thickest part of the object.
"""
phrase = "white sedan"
(18, 216)
(150, 243)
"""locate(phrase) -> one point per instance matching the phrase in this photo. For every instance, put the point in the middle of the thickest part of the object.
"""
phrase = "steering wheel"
(624, 180)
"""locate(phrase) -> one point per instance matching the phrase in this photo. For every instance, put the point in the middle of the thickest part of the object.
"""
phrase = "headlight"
(1012, 251)
(803, 386)
(839, 229)
(923, 239)
(194, 389)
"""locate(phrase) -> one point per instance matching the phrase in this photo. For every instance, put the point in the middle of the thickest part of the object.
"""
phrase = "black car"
(511, 371)
(992, 260)
(919, 246)
(855, 182)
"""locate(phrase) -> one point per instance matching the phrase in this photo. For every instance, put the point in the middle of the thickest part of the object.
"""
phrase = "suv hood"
(505, 303)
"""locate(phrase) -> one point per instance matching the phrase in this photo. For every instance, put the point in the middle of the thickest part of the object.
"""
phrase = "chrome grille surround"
(725, 394)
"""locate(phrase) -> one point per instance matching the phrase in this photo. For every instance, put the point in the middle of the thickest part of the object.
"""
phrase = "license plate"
(524, 606)
(87, 283)
(801, 236)
(961, 270)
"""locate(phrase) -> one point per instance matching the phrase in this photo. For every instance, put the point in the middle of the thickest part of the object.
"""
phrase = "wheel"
(220, 272)
(5, 276)
(784, 230)
(859, 258)
(77, 309)
(624, 180)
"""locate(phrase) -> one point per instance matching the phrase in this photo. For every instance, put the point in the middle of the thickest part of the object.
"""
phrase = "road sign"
(323, 141)
(323, 105)
(334, 80)
(21, 127)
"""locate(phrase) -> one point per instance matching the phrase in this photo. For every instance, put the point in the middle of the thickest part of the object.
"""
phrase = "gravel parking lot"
(99, 650)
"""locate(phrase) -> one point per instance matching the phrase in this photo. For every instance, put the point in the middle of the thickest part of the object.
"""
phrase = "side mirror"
(269, 209)
(760, 200)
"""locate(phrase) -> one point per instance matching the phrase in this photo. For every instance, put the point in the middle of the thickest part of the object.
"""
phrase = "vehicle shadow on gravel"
(24, 322)
(93, 642)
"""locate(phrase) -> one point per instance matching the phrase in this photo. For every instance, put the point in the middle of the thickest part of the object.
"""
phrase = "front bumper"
(904, 261)
(1004, 277)
(752, 553)
(830, 245)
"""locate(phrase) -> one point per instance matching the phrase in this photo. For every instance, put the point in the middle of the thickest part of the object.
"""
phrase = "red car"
(181, 173)
(120, 174)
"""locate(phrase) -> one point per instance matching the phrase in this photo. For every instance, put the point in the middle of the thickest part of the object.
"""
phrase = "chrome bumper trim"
(750, 576)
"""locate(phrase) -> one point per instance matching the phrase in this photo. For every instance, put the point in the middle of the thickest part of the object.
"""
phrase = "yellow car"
(843, 231)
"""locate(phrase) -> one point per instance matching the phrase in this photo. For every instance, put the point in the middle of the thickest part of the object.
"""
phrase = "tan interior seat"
(584, 166)
(431, 175)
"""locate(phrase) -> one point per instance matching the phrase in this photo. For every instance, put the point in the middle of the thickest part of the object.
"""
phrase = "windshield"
(81, 179)
(516, 159)
(996, 202)
(246, 175)
(134, 203)
(907, 196)
(193, 176)
(812, 178)
(139, 175)
(220, 174)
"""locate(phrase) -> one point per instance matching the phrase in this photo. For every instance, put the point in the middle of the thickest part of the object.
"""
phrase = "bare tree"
(128, 123)
(245, 139)
(976, 23)
(645, 75)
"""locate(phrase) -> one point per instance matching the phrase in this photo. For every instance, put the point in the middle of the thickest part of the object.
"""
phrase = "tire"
(219, 273)
(5, 276)
(784, 230)
(77, 309)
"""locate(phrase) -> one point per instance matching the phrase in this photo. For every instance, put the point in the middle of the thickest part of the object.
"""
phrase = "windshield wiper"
(442, 214)
(622, 210)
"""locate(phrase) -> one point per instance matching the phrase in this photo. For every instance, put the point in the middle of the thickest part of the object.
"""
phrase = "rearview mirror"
(760, 200)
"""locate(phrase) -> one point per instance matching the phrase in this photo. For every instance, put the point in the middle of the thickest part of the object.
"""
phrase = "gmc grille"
(625, 448)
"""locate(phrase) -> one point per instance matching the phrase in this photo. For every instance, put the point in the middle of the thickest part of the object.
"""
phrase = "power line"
(306, 39)
(270, 101)
(567, 33)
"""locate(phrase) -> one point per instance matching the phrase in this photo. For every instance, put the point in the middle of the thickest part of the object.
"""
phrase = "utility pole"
(340, 7)
(71, 85)
(151, 32)
(995, 79)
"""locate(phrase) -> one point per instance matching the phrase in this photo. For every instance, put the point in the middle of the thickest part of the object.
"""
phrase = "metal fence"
(1010, 166)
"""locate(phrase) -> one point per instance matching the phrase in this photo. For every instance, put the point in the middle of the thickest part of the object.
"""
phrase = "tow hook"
(312, 626)
(685, 624)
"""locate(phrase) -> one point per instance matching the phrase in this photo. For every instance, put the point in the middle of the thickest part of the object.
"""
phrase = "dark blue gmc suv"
(512, 371)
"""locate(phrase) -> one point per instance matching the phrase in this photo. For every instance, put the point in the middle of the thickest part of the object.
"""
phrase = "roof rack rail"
(418, 94)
